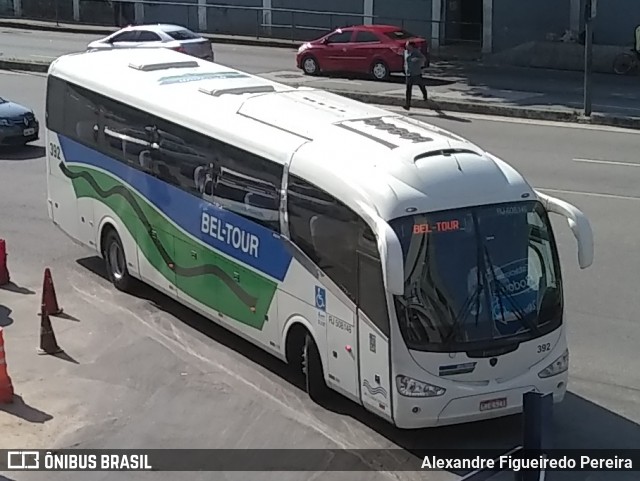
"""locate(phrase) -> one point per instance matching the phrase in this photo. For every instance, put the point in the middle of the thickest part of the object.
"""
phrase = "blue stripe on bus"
(186, 211)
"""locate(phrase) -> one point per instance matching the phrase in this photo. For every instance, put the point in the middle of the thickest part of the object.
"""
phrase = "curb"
(448, 105)
(24, 65)
(102, 30)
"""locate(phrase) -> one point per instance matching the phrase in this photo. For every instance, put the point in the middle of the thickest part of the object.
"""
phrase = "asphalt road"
(507, 86)
(143, 372)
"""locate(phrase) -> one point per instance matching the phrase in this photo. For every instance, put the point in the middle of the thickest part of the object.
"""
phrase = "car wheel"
(310, 65)
(380, 70)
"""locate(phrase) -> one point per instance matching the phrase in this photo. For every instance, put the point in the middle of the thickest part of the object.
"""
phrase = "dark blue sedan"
(18, 124)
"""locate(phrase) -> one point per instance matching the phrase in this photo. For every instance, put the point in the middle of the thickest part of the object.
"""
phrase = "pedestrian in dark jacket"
(414, 61)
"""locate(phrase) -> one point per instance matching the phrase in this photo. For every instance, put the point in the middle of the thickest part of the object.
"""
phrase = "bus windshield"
(478, 278)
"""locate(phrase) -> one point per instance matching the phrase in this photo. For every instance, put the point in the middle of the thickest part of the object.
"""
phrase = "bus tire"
(115, 261)
(315, 384)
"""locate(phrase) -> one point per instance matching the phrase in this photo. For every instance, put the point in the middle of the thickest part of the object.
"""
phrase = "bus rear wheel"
(115, 261)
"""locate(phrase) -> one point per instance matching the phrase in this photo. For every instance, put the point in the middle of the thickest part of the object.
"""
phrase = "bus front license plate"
(493, 404)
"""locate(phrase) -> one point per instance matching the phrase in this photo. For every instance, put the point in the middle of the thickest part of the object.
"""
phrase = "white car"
(174, 37)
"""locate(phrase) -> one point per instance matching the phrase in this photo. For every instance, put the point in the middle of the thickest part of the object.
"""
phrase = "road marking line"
(612, 162)
(43, 56)
(591, 194)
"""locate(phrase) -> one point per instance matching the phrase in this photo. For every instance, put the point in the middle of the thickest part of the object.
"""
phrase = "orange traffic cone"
(49, 298)
(48, 343)
(6, 387)
(4, 269)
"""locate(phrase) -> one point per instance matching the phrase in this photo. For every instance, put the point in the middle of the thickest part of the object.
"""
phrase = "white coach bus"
(381, 257)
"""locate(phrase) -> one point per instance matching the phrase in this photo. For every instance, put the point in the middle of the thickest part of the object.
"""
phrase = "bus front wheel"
(315, 384)
(115, 261)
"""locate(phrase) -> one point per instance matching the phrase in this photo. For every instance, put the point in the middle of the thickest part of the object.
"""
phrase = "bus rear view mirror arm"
(579, 224)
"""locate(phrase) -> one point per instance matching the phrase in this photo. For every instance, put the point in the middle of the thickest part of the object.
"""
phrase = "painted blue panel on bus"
(225, 231)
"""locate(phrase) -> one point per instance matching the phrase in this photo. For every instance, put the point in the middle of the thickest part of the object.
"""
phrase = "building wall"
(515, 23)
(412, 15)
(616, 21)
(51, 10)
(6, 7)
(184, 14)
(306, 25)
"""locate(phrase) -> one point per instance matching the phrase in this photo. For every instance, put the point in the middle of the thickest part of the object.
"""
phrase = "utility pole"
(589, 15)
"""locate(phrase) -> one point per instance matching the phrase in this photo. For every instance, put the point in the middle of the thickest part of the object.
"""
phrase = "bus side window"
(56, 98)
(125, 137)
(81, 116)
(248, 185)
(325, 230)
(180, 152)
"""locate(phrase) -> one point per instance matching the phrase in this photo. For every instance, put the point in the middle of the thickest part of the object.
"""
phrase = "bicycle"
(626, 62)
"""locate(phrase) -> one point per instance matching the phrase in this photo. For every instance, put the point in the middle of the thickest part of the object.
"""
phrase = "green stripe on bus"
(219, 283)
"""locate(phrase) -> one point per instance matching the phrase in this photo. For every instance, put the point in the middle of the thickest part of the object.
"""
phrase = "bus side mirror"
(578, 223)
(393, 263)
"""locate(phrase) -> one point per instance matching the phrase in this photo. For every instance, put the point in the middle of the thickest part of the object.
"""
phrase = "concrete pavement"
(145, 372)
(455, 86)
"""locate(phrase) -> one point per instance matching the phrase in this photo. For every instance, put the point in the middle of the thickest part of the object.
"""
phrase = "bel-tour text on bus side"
(230, 234)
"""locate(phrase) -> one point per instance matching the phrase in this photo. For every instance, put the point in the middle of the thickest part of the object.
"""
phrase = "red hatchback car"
(377, 50)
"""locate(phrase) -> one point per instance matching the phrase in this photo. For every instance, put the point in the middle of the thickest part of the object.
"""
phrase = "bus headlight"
(413, 388)
(556, 367)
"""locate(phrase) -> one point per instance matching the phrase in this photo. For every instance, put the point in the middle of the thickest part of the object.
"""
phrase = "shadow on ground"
(578, 423)
(13, 287)
(5, 316)
(20, 409)
(394, 80)
(26, 152)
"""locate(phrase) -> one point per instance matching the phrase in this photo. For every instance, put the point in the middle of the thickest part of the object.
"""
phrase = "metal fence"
(279, 23)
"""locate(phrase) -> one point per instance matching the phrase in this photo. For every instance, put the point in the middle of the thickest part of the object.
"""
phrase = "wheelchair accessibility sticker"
(321, 298)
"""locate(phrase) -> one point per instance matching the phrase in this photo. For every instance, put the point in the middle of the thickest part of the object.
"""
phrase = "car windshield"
(477, 278)
(400, 35)
(182, 35)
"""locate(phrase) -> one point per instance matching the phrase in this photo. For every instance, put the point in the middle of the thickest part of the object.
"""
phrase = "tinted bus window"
(326, 231)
